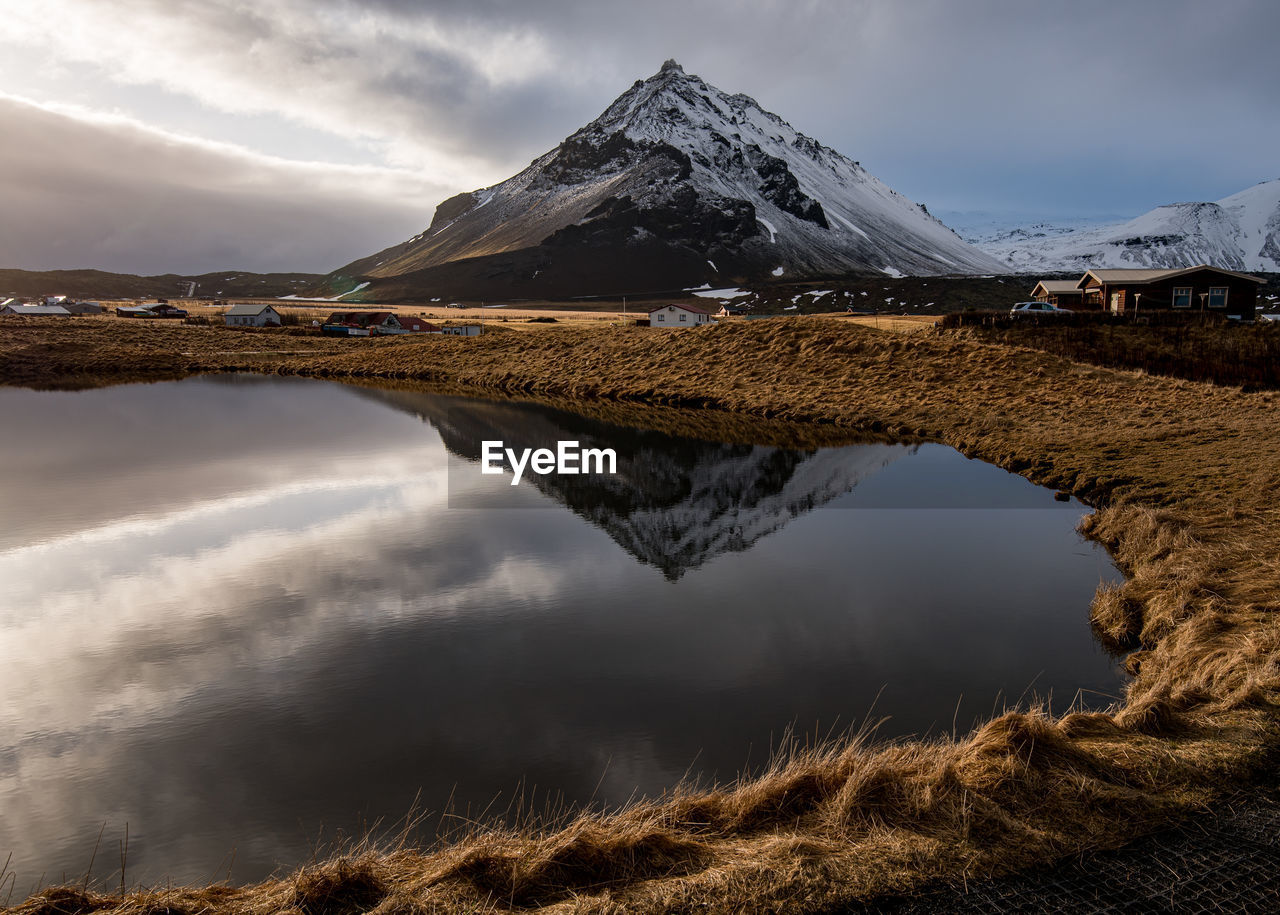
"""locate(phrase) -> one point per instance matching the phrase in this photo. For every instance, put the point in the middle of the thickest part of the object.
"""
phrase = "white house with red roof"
(678, 316)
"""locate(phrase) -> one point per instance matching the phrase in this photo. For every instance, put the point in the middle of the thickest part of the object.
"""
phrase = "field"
(1186, 482)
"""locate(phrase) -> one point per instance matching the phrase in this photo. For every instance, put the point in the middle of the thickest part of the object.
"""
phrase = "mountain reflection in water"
(235, 612)
(675, 502)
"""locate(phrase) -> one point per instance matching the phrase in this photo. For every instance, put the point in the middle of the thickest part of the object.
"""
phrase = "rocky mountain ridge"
(676, 184)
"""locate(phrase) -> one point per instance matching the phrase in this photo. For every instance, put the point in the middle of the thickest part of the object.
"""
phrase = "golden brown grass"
(1187, 483)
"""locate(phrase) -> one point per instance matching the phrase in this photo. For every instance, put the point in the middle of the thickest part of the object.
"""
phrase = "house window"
(1181, 296)
(682, 316)
(1217, 296)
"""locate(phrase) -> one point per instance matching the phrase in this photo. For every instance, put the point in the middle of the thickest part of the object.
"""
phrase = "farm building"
(678, 316)
(373, 323)
(1201, 289)
(84, 308)
(406, 324)
(34, 310)
(153, 310)
(1063, 293)
(252, 316)
(462, 330)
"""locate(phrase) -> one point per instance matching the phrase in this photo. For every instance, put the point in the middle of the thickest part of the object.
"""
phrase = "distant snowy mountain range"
(1239, 232)
(676, 184)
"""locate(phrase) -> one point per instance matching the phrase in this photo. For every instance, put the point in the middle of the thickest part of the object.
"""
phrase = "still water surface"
(240, 614)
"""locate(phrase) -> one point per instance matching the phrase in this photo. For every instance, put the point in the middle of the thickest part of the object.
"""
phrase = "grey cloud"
(108, 194)
(944, 101)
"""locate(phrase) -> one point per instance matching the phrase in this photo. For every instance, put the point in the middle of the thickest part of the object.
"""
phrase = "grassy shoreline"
(1186, 479)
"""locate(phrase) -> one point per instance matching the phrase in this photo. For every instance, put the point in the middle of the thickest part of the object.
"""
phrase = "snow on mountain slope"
(1239, 232)
(676, 165)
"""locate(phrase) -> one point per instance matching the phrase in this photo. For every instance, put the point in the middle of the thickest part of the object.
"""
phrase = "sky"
(150, 136)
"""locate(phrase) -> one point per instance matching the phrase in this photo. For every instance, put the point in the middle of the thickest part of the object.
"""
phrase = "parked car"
(1036, 309)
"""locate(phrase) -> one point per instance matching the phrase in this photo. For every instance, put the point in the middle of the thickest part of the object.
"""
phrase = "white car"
(1036, 309)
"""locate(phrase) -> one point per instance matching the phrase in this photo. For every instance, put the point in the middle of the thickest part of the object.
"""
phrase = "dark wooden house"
(1063, 293)
(1191, 289)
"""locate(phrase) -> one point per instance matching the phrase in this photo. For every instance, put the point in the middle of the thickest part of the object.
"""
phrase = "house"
(153, 310)
(407, 324)
(252, 316)
(462, 330)
(84, 308)
(1062, 293)
(53, 299)
(678, 316)
(34, 310)
(732, 311)
(372, 321)
(1200, 289)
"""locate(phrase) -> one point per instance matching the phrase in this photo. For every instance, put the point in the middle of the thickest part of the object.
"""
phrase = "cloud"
(83, 190)
(993, 103)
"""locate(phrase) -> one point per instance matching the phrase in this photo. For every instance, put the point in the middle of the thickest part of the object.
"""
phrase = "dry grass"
(1187, 481)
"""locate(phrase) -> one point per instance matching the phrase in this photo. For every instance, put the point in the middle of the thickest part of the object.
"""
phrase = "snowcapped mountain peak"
(682, 183)
(1238, 232)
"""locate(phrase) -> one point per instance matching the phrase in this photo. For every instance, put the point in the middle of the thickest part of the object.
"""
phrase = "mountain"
(1240, 232)
(676, 184)
(100, 284)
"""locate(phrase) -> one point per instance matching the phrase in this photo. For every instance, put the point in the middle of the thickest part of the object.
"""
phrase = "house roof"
(37, 310)
(1139, 277)
(408, 323)
(244, 311)
(378, 317)
(1057, 287)
(691, 308)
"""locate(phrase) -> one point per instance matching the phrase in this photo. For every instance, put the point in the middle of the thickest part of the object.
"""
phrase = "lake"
(239, 615)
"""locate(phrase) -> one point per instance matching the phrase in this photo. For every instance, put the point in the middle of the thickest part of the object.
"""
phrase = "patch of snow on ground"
(849, 224)
(895, 272)
(435, 300)
(696, 288)
(332, 298)
(790, 307)
(722, 293)
(777, 271)
(864, 292)
(818, 292)
(773, 230)
(713, 266)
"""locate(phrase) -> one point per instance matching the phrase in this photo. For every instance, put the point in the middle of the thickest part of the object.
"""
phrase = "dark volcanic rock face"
(682, 218)
(451, 209)
(677, 166)
(780, 187)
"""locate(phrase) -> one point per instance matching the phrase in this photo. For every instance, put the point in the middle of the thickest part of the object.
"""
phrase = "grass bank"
(1187, 483)
(1191, 347)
